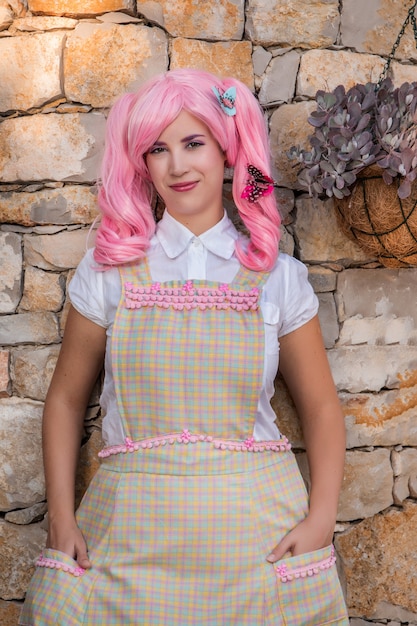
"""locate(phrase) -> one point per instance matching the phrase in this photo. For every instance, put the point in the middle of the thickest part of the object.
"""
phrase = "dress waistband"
(182, 453)
(185, 437)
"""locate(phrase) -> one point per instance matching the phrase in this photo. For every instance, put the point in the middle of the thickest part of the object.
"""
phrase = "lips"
(186, 186)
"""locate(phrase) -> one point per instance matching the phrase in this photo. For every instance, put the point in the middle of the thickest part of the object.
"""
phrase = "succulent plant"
(368, 124)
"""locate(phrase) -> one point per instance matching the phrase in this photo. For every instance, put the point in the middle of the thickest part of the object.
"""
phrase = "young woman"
(198, 514)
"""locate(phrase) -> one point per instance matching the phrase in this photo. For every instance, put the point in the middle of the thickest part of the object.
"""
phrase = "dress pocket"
(55, 559)
(55, 594)
(309, 589)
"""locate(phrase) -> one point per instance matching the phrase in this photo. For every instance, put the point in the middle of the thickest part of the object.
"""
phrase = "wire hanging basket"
(380, 222)
(374, 216)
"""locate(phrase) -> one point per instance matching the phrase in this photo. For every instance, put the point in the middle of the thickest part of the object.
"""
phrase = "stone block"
(328, 319)
(229, 58)
(286, 202)
(33, 328)
(44, 23)
(19, 548)
(21, 472)
(405, 468)
(26, 365)
(72, 204)
(384, 419)
(6, 17)
(260, 60)
(348, 69)
(322, 279)
(9, 613)
(4, 374)
(286, 242)
(56, 252)
(379, 561)
(42, 291)
(367, 484)
(377, 306)
(380, 331)
(115, 17)
(52, 147)
(293, 23)
(387, 611)
(371, 368)
(79, 8)
(33, 70)
(318, 233)
(278, 84)
(10, 271)
(103, 61)
(32, 514)
(212, 19)
(289, 127)
(373, 26)
(403, 73)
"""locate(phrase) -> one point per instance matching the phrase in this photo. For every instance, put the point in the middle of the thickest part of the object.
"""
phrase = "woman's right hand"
(68, 538)
(79, 363)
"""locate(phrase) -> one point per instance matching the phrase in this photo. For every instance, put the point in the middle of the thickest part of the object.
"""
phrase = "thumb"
(280, 550)
(82, 558)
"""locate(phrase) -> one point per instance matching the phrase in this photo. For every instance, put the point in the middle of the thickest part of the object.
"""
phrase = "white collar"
(174, 237)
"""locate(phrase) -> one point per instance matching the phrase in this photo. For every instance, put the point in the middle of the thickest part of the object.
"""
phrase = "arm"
(304, 366)
(78, 366)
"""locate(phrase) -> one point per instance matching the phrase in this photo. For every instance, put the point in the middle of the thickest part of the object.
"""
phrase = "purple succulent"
(356, 128)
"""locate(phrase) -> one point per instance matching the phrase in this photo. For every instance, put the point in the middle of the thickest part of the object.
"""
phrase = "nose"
(179, 163)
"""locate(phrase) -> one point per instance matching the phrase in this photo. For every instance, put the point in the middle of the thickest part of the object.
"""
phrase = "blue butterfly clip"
(226, 100)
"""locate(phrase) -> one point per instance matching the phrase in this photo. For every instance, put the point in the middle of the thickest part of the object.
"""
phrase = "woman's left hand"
(309, 535)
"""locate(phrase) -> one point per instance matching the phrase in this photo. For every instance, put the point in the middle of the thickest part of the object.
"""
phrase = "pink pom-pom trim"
(190, 297)
(286, 574)
(54, 564)
(185, 437)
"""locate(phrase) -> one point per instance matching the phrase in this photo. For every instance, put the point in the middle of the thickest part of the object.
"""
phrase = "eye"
(194, 144)
(156, 150)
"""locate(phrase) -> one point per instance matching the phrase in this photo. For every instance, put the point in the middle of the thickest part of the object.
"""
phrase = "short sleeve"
(289, 294)
(86, 291)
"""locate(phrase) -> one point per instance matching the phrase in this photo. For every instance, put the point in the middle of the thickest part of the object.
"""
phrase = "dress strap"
(138, 272)
(246, 279)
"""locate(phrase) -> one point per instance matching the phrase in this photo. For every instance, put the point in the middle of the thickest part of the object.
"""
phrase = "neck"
(198, 224)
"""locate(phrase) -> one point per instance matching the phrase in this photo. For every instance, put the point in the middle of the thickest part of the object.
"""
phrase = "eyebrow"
(185, 140)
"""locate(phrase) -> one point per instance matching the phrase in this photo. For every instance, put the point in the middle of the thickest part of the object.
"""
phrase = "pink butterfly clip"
(257, 185)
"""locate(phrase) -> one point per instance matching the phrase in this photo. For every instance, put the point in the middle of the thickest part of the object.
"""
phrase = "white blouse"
(175, 253)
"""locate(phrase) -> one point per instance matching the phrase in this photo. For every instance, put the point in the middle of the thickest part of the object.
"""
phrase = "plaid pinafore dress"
(180, 517)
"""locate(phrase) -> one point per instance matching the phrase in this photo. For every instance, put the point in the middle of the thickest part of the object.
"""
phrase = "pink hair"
(137, 120)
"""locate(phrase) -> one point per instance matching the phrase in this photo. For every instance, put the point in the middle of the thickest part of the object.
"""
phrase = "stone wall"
(62, 63)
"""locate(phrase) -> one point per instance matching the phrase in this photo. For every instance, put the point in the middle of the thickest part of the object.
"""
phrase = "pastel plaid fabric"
(188, 367)
(178, 535)
(189, 550)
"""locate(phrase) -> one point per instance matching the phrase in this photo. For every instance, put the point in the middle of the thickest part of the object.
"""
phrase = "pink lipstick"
(186, 186)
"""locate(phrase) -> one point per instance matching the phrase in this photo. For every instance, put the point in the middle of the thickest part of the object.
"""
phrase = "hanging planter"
(364, 154)
(379, 221)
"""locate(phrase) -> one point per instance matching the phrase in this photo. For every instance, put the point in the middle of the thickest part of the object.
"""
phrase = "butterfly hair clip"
(226, 99)
(257, 185)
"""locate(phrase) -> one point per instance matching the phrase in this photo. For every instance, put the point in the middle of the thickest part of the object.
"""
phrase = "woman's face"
(186, 166)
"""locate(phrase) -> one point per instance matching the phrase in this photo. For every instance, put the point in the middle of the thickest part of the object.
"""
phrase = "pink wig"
(135, 123)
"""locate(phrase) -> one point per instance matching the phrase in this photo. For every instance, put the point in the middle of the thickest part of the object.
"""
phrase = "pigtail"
(261, 217)
(125, 194)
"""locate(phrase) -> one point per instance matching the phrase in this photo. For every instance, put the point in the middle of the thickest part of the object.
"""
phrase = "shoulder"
(93, 291)
(288, 294)
(287, 272)
(89, 268)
